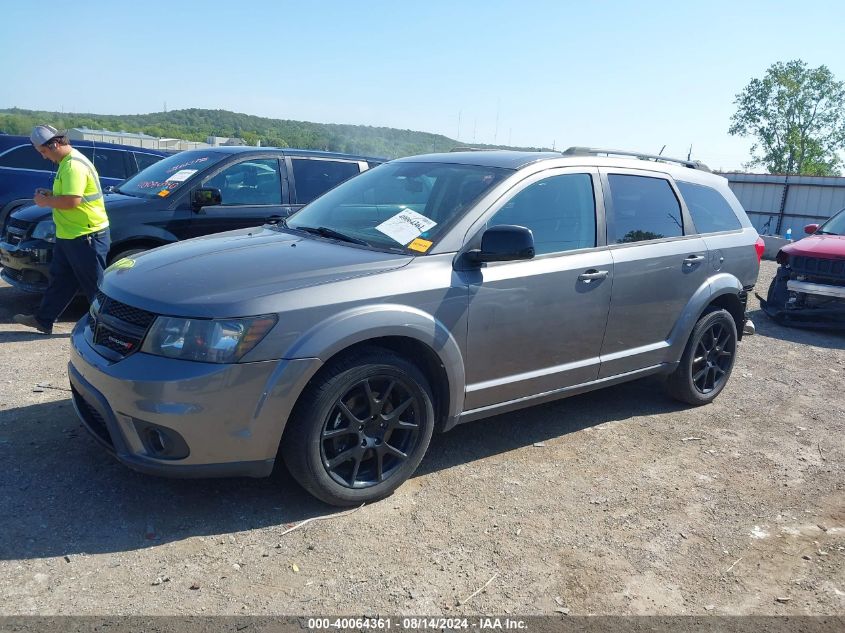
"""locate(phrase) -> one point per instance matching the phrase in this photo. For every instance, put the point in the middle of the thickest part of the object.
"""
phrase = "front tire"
(707, 361)
(360, 429)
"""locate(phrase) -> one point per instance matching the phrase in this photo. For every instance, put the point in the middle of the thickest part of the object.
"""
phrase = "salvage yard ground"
(615, 502)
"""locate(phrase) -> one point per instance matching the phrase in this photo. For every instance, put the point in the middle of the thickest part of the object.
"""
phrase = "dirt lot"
(615, 502)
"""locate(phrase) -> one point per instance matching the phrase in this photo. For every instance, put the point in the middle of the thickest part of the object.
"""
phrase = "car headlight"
(45, 230)
(206, 340)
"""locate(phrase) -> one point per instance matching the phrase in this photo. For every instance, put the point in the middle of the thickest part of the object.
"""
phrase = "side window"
(709, 210)
(643, 209)
(313, 176)
(25, 158)
(110, 163)
(254, 181)
(145, 160)
(560, 211)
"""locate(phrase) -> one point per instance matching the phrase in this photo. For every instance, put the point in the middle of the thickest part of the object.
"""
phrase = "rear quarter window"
(710, 211)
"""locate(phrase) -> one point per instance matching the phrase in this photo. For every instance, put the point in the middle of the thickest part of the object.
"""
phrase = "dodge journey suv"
(427, 292)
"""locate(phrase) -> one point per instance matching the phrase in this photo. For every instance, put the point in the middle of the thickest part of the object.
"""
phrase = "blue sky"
(634, 75)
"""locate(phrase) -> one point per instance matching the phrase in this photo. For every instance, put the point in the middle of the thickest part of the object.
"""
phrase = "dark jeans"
(77, 264)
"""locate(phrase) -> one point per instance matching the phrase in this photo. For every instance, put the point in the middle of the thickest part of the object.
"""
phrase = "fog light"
(161, 442)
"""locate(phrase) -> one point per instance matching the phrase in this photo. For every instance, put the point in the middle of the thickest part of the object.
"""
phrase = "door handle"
(591, 274)
(693, 259)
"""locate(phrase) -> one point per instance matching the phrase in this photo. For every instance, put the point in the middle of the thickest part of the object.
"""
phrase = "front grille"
(816, 267)
(18, 224)
(119, 327)
(16, 275)
(92, 418)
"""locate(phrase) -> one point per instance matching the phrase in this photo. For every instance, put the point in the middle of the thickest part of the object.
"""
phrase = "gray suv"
(427, 292)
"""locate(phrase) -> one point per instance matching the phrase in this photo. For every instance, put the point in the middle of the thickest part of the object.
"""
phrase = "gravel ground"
(615, 502)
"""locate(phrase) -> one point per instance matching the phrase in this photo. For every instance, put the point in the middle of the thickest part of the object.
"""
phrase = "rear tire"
(707, 361)
(360, 429)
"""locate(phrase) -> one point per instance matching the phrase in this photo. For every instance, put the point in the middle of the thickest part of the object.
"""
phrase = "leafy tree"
(797, 115)
(638, 235)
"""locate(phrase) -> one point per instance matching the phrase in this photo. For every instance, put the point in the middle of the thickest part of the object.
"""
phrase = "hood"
(33, 213)
(822, 246)
(119, 200)
(237, 273)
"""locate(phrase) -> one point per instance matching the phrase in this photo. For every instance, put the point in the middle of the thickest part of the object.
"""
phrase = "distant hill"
(196, 125)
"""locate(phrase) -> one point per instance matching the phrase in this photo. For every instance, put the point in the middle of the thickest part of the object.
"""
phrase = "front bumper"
(185, 419)
(26, 265)
(803, 303)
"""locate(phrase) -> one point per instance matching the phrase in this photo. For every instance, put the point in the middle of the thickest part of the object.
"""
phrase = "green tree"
(797, 116)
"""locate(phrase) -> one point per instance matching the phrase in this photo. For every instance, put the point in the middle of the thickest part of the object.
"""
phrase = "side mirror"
(811, 228)
(504, 243)
(205, 198)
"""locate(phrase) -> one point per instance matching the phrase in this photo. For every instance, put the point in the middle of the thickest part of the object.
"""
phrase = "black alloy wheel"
(371, 430)
(713, 358)
(360, 428)
(708, 359)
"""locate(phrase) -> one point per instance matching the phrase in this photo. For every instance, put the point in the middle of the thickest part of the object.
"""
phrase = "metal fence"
(776, 203)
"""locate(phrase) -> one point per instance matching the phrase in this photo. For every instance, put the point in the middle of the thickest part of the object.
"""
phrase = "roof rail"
(594, 151)
(473, 149)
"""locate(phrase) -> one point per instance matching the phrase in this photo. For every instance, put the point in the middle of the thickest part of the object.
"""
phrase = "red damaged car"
(809, 288)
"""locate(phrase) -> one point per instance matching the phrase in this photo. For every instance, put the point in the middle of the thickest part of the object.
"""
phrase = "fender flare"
(359, 325)
(715, 286)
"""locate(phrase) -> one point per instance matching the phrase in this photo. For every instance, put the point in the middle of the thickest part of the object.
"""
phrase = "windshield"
(398, 205)
(161, 179)
(835, 225)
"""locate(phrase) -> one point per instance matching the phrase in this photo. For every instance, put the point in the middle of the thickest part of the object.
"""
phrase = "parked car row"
(23, 170)
(185, 195)
(427, 292)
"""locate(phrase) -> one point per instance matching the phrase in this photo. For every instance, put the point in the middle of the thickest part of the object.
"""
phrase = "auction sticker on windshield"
(406, 226)
(181, 175)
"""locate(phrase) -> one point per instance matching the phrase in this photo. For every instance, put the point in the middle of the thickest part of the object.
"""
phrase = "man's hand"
(42, 197)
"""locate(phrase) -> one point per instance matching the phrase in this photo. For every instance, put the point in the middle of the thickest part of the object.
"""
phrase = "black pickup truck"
(186, 195)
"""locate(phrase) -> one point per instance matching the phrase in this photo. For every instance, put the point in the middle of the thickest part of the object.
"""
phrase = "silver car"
(427, 292)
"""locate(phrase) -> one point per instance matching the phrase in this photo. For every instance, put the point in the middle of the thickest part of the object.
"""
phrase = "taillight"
(760, 247)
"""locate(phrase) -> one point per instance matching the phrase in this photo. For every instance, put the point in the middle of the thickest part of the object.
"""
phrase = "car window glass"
(396, 203)
(644, 208)
(313, 177)
(560, 211)
(145, 160)
(253, 181)
(110, 163)
(25, 158)
(709, 210)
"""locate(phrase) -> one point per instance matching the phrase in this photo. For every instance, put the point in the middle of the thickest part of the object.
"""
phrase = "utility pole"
(496, 132)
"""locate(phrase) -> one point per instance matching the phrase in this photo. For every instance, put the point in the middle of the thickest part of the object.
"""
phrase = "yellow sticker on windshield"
(164, 193)
(420, 245)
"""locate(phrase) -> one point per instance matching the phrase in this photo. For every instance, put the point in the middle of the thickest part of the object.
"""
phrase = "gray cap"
(43, 133)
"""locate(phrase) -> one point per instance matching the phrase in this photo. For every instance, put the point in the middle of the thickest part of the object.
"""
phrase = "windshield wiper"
(826, 233)
(122, 193)
(327, 232)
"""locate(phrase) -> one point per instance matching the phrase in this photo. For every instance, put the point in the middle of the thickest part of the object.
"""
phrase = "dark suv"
(189, 194)
(22, 170)
(428, 292)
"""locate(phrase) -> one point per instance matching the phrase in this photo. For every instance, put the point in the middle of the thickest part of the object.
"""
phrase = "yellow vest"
(76, 176)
